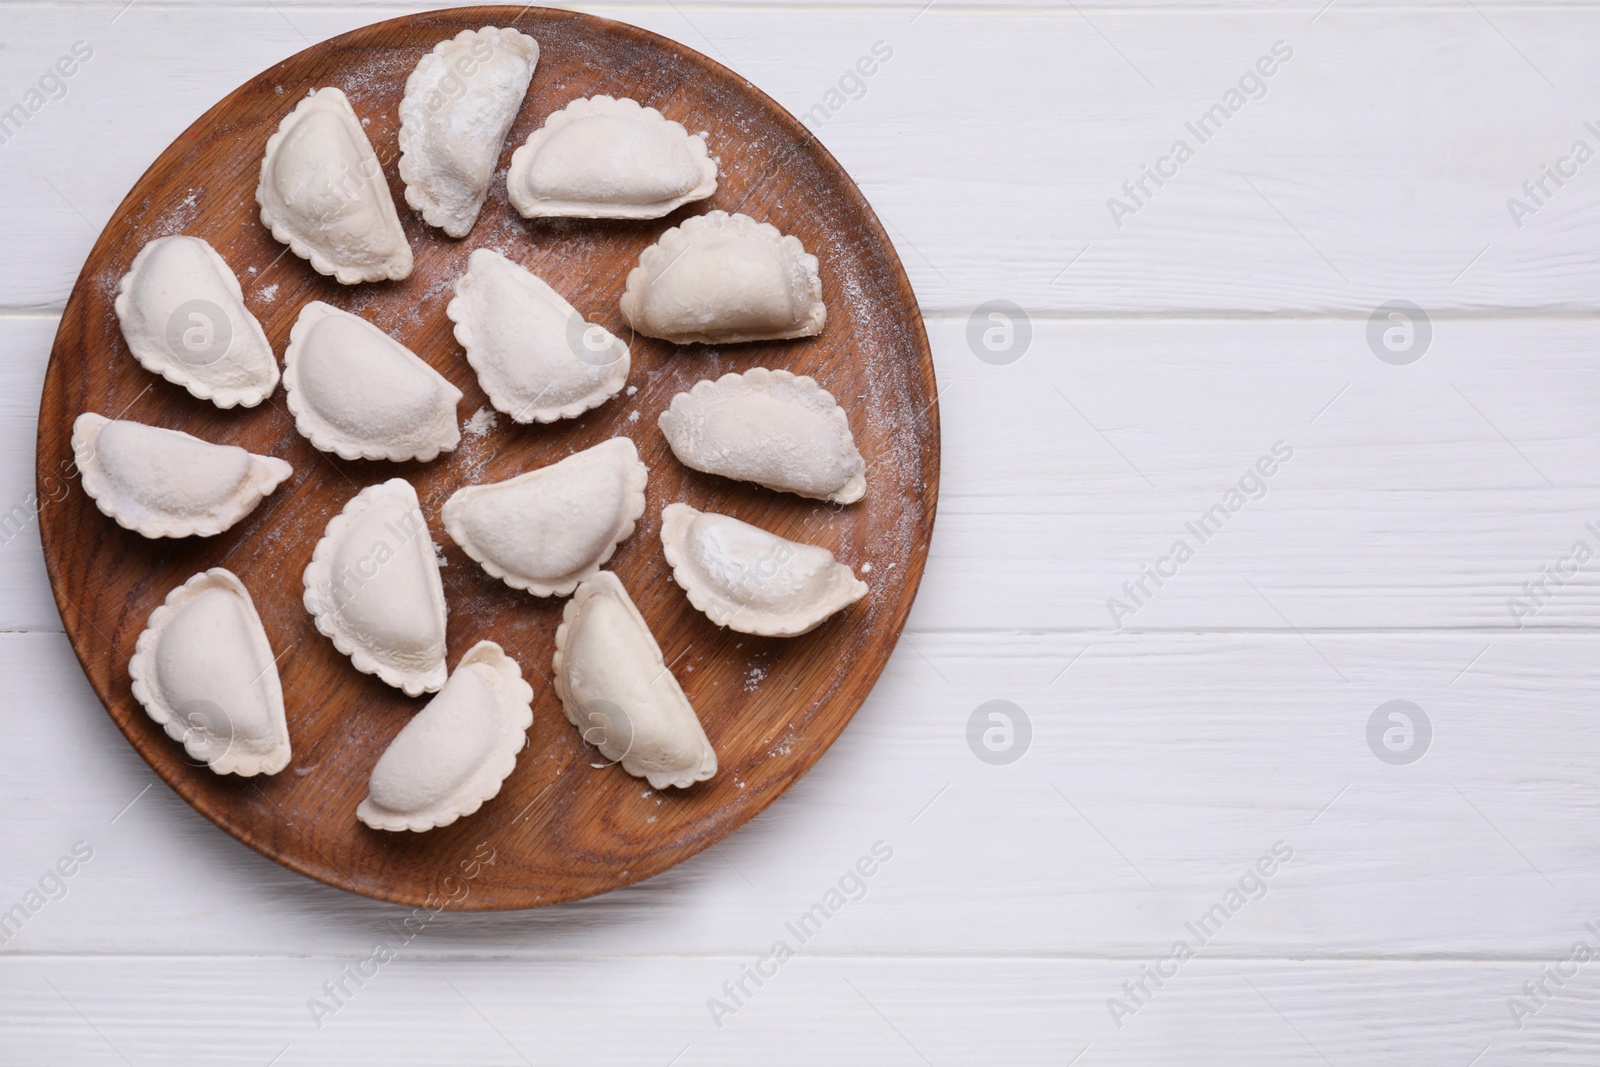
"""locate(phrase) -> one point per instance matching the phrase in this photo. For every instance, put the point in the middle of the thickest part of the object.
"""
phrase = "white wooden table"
(1430, 910)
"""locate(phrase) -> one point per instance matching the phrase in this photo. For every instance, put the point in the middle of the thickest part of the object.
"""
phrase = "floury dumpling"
(182, 313)
(606, 158)
(373, 587)
(165, 483)
(455, 753)
(722, 278)
(615, 687)
(551, 528)
(204, 670)
(360, 394)
(771, 427)
(322, 192)
(751, 580)
(536, 356)
(460, 103)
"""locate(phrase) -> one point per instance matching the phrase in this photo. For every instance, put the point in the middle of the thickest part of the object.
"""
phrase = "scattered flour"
(633, 416)
(866, 568)
(753, 679)
(482, 422)
(268, 293)
(632, 389)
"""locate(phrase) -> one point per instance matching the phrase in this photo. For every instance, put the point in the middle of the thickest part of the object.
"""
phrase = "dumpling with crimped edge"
(373, 587)
(322, 192)
(604, 158)
(360, 394)
(751, 580)
(453, 756)
(616, 689)
(459, 104)
(165, 483)
(182, 313)
(536, 357)
(770, 427)
(721, 278)
(204, 670)
(549, 529)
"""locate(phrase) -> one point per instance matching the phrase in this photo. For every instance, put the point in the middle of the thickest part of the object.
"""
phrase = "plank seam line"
(457, 957)
(945, 8)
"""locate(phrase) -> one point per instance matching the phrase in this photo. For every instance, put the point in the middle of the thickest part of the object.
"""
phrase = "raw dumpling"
(164, 483)
(322, 192)
(357, 392)
(604, 158)
(183, 316)
(768, 427)
(720, 278)
(618, 692)
(457, 751)
(373, 586)
(549, 529)
(750, 580)
(459, 105)
(203, 669)
(536, 357)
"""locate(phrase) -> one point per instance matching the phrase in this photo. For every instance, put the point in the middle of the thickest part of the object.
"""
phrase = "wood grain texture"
(561, 827)
(1382, 155)
(896, 1012)
(1177, 758)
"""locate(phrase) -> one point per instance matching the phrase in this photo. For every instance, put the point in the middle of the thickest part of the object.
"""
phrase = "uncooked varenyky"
(720, 278)
(536, 357)
(459, 105)
(751, 580)
(605, 158)
(769, 427)
(322, 192)
(165, 483)
(373, 587)
(360, 394)
(204, 670)
(182, 313)
(455, 753)
(616, 689)
(549, 529)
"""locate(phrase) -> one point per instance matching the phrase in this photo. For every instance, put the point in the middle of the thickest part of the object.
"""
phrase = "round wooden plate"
(565, 825)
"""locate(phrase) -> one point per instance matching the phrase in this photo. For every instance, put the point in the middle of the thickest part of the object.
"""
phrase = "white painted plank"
(1416, 496)
(1377, 166)
(1159, 770)
(813, 1010)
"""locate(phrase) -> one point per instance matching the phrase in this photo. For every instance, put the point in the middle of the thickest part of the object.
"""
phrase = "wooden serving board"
(565, 825)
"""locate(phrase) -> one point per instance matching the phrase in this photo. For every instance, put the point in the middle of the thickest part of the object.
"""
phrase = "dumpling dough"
(183, 315)
(768, 427)
(164, 483)
(373, 586)
(750, 580)
(204, 670)
(459, 105)
(720, 278)
(454, 755)
(549, 529)
(536, 357)
(357, 392)
(604, 158)
(616, 689)
(322, 192)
